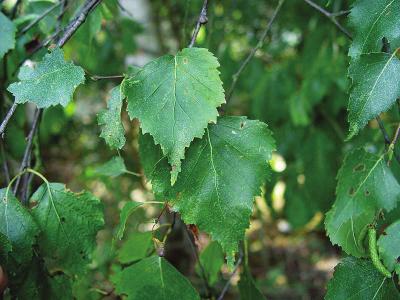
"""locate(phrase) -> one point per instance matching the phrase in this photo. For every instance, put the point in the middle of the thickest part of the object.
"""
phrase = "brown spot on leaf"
(359, 168)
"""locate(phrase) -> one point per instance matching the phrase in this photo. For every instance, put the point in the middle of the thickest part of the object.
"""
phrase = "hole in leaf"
(367, 193)
(241, 124)
(185, 61)
(62, 219)
(359, 168)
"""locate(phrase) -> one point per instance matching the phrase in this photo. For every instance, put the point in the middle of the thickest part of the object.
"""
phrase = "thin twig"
(196, 255)
(396, 135)
(200, 21)
(78, 21)
(383, 130)
(15, 9)
(7, 118)
(386, 138)
(5, 164)
(40, 17)
(121, 7)
(340, 13)
(330, 16)
(68, 32)
(28, 149)
(253, 51)
(99, 77)
(228, 283)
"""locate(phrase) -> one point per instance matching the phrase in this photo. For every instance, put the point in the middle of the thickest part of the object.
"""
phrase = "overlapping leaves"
(375, 75)
(365, 186)
(220, 177)
(56, 236)
(175, 97)
(69, 223)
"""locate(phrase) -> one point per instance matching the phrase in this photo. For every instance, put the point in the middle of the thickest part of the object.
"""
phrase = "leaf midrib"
(376, 82)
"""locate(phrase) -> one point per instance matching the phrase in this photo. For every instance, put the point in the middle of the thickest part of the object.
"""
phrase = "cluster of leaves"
(367, 190)
(189, 154)
(175, 97)
(46, 246)
(207, 166)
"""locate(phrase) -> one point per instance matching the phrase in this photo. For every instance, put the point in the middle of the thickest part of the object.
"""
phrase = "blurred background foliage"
(296, 83)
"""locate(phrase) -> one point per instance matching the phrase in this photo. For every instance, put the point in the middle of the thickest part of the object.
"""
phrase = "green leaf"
(7, 35)
(155, 165)
(113, 168)
(247, 287)
(175, 97)
(34, 282)
(375, 87)
(371, 21)
(357, 279)
(109, 119)
(153, 278)
(52, 82)
(69, 223)
(5, 248)
(211, 259)
(365, 186)
(221, 175)
(389, 247)
(136, 247)
(18, 226)
(126, 211)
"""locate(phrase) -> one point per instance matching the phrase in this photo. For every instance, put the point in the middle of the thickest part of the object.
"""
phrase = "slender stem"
(330, 16)
(133, 173)
(228, 283)
(5, 164)
(78, 21)
(340, 13)
(28, 149)
(200, 21)
(27, 170)
(152, 202)
(7, 118)
(121, 7)
(253, 51)
(40, 17)
(396, 135)
(196, 255)
(383, 130)
(99, 77)
(15, 9)
(389, 146)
